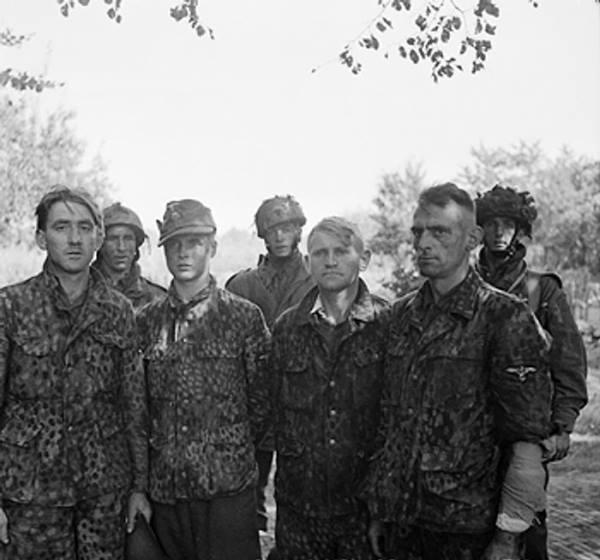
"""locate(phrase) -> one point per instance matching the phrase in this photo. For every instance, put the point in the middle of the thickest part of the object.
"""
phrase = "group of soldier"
(420, 430)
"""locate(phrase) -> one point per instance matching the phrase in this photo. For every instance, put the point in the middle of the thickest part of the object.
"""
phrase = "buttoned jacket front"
(208, 393)
(327, 405)
(462, 379)
(72, 401)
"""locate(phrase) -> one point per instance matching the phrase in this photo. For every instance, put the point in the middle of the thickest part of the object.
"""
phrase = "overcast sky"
(238, 119)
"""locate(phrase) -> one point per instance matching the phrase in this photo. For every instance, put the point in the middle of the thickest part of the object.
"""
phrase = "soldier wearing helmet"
(506, 216)
(118, 256)
(279, 281)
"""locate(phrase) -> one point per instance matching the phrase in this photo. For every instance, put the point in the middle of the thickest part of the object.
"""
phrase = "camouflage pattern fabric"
(310, 538)
(208, 393)
(421, 544)
(326, 398)
(91, 530)
(568, 365)
(137, 289)
(273, 289)
(72, 394)
(463, 377)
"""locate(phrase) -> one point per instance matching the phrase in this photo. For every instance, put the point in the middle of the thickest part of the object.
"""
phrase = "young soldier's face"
(188, 256)
(334, 265)
(281, 240)
(119, 248)
(498, 233)
(441, 239)
(71, 237)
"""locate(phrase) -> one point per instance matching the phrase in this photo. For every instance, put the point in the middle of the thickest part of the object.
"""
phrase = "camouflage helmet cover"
(278, 210)
(506, 202)
(118, 215)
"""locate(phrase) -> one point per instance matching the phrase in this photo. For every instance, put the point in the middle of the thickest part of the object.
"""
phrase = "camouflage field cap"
(184, 217)
(506, 202)
(278, 210)
(60, 193)
(118, 215)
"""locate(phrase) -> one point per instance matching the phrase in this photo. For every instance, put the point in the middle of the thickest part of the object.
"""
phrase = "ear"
(99, 238)
(213, 248)
(474, 237)
(365, 259)
(40, 239)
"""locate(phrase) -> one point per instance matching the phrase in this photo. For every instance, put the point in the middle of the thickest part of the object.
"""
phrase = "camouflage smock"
(72, 394)
(462, 378)
(273, 288)
(208, 393)
(137, 289)
(568, 364)
(327, 404)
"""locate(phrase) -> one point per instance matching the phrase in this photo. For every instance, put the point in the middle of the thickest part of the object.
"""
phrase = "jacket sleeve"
(568, 364)
(134, 403)
(256, 351)
(519, 378)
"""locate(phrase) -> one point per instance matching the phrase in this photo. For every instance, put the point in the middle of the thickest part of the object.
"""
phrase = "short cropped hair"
(60, 193)
(346, 231)
(441, 195)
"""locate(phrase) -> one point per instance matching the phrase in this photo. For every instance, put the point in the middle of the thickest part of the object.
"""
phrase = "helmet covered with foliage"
(278, 210)
(118, 215)
(506, 202)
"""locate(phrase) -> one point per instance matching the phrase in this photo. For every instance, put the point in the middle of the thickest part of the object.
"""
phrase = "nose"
(120, 245)
(330, 260)
(74, 235)
(423, 241)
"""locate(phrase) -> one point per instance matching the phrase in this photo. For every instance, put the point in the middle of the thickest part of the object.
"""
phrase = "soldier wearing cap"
(73, 433)
(279, 281)
(507, 216)
(205, 355)
(118, 257)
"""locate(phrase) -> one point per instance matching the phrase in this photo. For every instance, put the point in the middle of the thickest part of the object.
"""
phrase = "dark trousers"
(92, 529)
(422, 544)
(223, 528)
(300, 537)
(535, 539)
(264, 459)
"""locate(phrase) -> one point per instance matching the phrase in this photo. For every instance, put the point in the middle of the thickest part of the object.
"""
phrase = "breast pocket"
(367, 363)
(31, 368)
(297, 391)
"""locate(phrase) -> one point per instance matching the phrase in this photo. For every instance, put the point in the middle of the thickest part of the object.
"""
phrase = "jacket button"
(332, 383)
(184, 428)
(333, 412)
(332, 441)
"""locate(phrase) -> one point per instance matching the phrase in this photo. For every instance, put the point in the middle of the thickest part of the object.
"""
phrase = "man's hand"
(376, 535)
(504, 546)
(556, 447)
(3, 527)
(138, 504)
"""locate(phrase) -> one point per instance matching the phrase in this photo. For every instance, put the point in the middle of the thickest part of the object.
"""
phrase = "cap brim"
(186, 230)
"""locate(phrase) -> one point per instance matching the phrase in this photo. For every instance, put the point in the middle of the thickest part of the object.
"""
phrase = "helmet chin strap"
(509, 251)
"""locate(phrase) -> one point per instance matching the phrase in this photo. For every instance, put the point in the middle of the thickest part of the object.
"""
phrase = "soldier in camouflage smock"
(118, 257)
(73, 440)
(465, 376)
(506, 216)
(279, 281)
(327, 363)
(205, 353)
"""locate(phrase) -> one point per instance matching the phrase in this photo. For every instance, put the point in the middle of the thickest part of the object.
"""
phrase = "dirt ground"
(573, 505)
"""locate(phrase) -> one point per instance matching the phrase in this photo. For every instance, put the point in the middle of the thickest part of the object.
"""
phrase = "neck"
(114, 275)
(441, 286)
(73, 284)
(281, 261)
(337, 304)
(186, 290)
